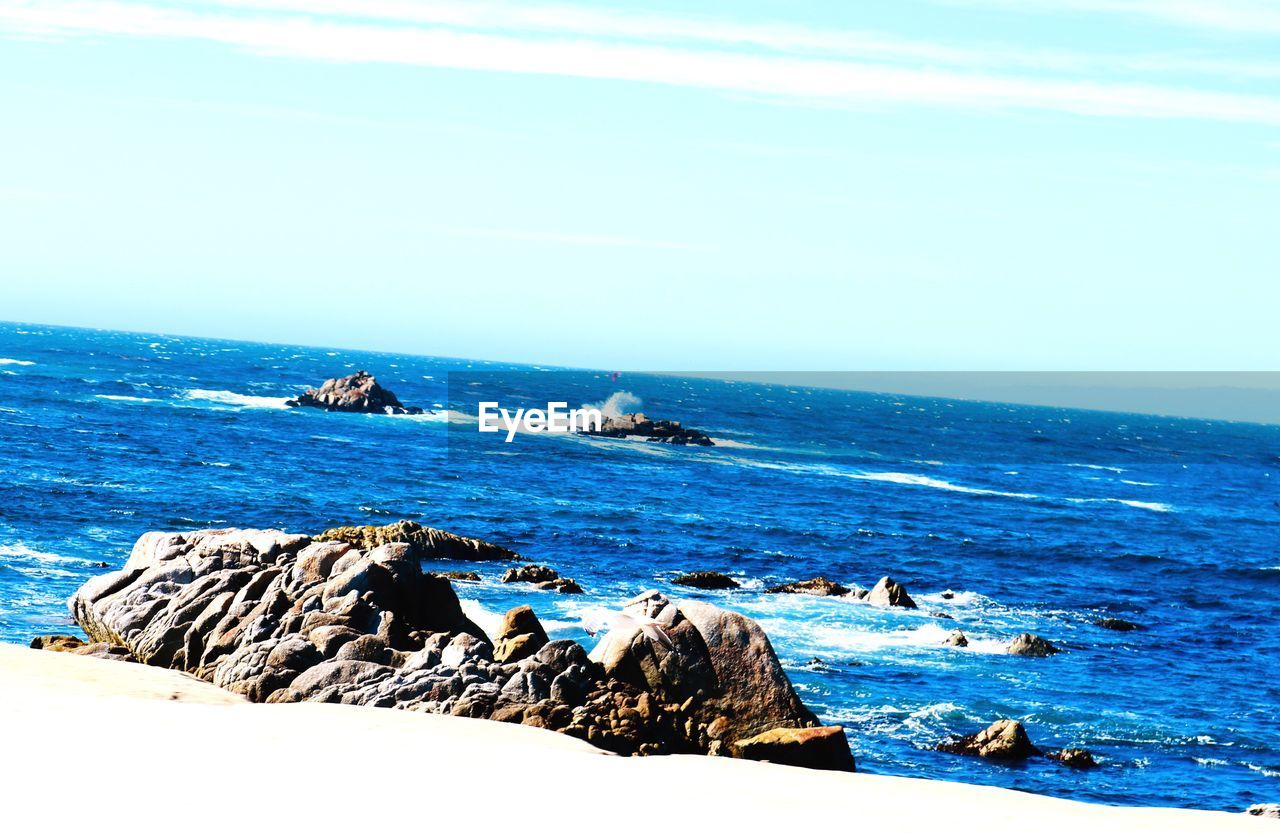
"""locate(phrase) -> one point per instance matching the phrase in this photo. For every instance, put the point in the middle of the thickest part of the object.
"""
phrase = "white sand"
(98, 745)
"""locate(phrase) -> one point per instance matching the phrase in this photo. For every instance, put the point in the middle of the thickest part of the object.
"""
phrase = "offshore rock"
(707, 580)
(654, 431)
(1075, 757)
(1029, 645)
(1116, 624)
(889, 594)
(820, 748)
(819, 587)
(359, 393)
(427, 542)
(1005, 740)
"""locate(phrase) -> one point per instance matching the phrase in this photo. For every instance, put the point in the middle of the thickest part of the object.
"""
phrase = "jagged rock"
(1116, 624)
(564, 586)
(530, 573)
(707, 580)
(1029, 645)
(655, 431)
(56, 642)
(428, 543)
(1005, 740)
(1076, 757)
(819, 587)
(1270, 810)
(359, 392)
(956, 639)
(820, 748)
(521, 635)
(889, 594)
(282, 618)
(459, 575)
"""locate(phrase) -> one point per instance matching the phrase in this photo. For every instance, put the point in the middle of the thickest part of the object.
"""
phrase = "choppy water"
(1037, 519)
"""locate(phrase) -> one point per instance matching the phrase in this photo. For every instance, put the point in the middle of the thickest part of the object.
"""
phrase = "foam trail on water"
(233, 399)
(4, 361)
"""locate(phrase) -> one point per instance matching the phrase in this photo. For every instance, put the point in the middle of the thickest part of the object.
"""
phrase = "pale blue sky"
(916, 184)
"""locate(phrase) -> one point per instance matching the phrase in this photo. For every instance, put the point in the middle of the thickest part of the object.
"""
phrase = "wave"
(121, 398)
(619, 403)
(22, 362)
(22, 552)
(490, 622)
(233, 399)
(1154, 506)
(935, 483)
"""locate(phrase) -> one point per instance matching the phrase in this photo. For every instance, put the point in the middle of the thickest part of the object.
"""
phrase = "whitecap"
(490, 622)
(909, 479)
(233, 399)
(22, 362)
(121, 398)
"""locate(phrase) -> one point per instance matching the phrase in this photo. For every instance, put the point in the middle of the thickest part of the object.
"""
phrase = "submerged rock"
(1075, 757)
(1029, 645)
(654, 431)
(820, 748)
(707, 580)
(1005, 740)
(543, 578)
(889, 594)
(819, 587)
(1116, 624)
(283, 618)
(359, 392)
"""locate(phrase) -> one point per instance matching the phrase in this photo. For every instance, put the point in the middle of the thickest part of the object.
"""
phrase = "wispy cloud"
(781, 61)
(1256, 17)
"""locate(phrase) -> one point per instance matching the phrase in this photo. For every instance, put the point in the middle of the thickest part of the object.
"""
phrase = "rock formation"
(359, 392)
(1116, 624)
(819, 587)
(1271, 811)
(654, 431)
(707, 580)
(283, 618)
(1004, 740)
(821, 748)
(1075, 757)
(428, 543)
(956, 639)
(889, 594)
(1029, 645)
(543, 578)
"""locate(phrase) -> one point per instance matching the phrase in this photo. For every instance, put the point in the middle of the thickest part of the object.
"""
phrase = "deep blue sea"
(1034, 519)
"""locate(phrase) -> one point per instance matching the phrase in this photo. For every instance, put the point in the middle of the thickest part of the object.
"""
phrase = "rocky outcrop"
(283, 618)
(707, 580)
(654, 431)
(1271, 811)
(717, 663)
(1074, 757)
(1029, 645)
(428, 543)
(820, 748)
(819, 587)
(1004, 740)
(1116, 624)
(359, 392)
(889, 594)
(543, 578)
(956, 639)
(521, 635)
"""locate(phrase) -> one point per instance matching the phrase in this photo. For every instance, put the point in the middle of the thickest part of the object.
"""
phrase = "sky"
(937, 185)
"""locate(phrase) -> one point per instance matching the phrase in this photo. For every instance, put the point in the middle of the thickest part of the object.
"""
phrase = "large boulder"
(519, 636)
(359, 392)
(1074, 757)
(1029, 645)
(1005, 740)
(820, 748)
(889, 594)
(719, 662)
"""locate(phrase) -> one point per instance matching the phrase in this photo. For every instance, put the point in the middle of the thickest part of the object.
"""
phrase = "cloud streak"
(1254, 17)
(797, 64)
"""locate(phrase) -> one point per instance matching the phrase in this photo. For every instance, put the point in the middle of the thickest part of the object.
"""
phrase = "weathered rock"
(428, 543)
(956, 639)
(820, 748)
(1005, 740)
(819, 587)
(1029, 645)
(530, 573)
(359, 393)
(459, 575)
(521, 635)
(707, 580)
(1076, 757)
(1269, 810)
(1116, 624)
(889, 594)
(655, 431)
(56, 642)
(74, 645)
(562, 585)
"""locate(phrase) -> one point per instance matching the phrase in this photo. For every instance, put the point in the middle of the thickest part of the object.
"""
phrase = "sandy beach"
(96, 742)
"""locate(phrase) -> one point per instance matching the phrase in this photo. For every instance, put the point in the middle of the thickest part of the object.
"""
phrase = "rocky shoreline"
(349, 616)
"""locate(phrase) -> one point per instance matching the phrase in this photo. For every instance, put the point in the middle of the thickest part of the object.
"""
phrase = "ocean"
(999, 519)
